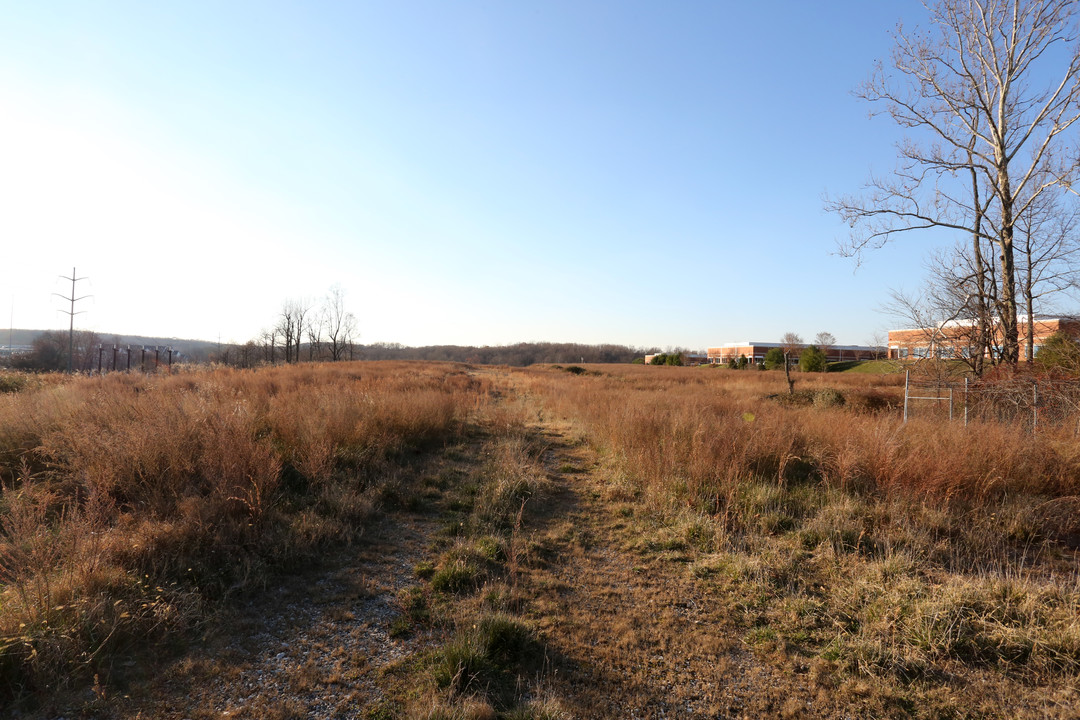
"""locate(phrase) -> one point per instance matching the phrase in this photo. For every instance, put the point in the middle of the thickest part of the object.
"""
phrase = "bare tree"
(1048, 240)
(340, 325)
(314, 334)
(971, 88)
(286, 328)
(269, 340)
(791, 344)
(301, 314)
(879, 339)
(945, 313)
(825, 342)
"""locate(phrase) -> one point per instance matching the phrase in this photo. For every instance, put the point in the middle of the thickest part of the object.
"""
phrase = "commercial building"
(955, 339)
(755, 351)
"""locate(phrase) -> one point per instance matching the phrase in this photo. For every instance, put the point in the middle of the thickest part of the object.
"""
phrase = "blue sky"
(468, 172)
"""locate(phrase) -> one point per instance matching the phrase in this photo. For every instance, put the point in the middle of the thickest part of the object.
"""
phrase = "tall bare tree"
(990, 93)
(1048, 241)
(302, 313)
(316, 326)
(340, 324)
(286, 328)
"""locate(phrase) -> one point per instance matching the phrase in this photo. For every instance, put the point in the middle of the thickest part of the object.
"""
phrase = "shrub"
(774, 359)
(828, 397)
(1060, 352)
(812, 359)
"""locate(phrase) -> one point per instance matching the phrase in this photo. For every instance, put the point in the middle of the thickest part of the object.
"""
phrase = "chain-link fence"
(1028, 402)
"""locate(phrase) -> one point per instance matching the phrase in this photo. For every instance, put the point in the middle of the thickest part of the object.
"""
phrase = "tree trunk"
(1010, 345)
(981, 333)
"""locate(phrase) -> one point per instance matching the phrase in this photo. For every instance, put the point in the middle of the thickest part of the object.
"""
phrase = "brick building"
(755, 352)
(955, 339)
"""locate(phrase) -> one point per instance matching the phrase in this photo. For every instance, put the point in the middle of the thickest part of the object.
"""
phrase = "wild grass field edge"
(130, 505)
(845, 539)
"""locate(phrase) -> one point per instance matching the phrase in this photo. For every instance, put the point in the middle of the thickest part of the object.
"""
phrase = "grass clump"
(488, 659)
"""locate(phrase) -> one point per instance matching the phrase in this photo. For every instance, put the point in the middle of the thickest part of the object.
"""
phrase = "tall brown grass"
(692, 432)
(129, 502)
(903, 551)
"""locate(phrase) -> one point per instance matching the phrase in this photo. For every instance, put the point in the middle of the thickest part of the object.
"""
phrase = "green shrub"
(1060, 352)
(12, 382)
(774, 359)
(812, 359)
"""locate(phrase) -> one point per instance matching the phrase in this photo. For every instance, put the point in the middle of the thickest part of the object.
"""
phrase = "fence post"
(907, 379)
(965, 401)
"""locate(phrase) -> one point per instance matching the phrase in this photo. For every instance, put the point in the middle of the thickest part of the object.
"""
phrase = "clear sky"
(469, 172)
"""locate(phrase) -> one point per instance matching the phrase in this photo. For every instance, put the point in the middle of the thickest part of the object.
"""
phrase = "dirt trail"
(629, 633)
(633, 633)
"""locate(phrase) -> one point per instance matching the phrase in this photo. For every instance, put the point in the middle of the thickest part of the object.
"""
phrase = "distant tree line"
(49, 352)
(326, 331)
(518, 354)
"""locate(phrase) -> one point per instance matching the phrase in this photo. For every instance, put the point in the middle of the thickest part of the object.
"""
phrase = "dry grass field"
(622, 541)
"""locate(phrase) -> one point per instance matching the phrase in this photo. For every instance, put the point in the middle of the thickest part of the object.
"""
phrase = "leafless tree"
(825, 342)
(1048, 240)
(292, 323)
(791, 344)
(340, 325)
(945, 311)
(286, 328)
(315, 329)
(269, 341)
(879, 339)
(301, 314)
(992, 137)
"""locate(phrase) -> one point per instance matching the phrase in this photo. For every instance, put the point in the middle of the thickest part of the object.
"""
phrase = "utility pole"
(71, 314)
